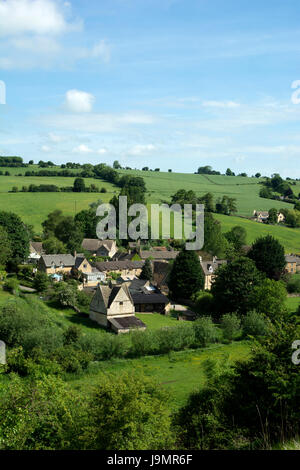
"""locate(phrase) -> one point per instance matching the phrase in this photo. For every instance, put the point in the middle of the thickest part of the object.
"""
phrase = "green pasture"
(34, 207)
(180, 373)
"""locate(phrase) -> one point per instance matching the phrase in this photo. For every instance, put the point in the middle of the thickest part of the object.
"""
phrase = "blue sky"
(160, 83)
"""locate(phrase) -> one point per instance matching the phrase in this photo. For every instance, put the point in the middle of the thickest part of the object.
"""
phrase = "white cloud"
(33, 32)
(85, 149)
(101, 151)
(82, 148)
(56, 138)
(101, 50)
(221, 104)
(46, 148)
(79, 101)
(97, 123)
(142, 149)
(31, 16)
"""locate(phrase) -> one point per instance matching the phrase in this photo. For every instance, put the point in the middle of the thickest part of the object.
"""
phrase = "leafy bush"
(293, 286)
(143, 343)
(255, 324)
(205, 331)
(204, 303)
(175, 338)
(11, 285)
(254, 406)
(72, 359)
(231, 326)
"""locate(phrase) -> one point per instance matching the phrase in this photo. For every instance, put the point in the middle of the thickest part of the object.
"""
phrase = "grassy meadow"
(34, 207)
(180, 373)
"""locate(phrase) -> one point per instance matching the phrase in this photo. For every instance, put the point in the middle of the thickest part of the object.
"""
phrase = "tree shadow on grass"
(79, 319)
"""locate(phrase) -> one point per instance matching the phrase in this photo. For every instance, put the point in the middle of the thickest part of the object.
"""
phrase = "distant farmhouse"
(35, 251)
(263, 216)
(124, 268)
(57, 265)
(292, 264)
(96, 247)
(112, 307)
(147, 298)
(209, 269)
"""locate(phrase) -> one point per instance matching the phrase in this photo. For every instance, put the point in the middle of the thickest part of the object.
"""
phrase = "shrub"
(231, 326)
(205, 331)
(293, 286)
(41, 282)
(204, 303)
(143, 343)
(255, 324)
(175, 338)
(71, 359)
(11, 285)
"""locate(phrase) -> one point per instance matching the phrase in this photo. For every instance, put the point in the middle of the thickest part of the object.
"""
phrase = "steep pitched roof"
(66, 260)
(124, 323)
(161, 272)
(209, 267)
(143, 298)
(292, 259)
(106, 295)
(166, 255)
(93, 244)
(36, 247)
(79, 260)
(118, 265)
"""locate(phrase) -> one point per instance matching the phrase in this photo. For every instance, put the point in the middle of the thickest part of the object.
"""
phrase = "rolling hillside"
(34, 207)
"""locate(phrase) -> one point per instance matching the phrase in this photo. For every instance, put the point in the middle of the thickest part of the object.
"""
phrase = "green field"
(293, 304)
(288, 237)
(34, 207)
(180, 373)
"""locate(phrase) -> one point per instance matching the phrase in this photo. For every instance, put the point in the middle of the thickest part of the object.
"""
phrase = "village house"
(161, 271)
(292, 264)
(263, 216)
(123, 268)
(63, 263)
(36, 251)
(96, 247)
(209, 269)
(158, 255)
(147, 298)
(112, 307)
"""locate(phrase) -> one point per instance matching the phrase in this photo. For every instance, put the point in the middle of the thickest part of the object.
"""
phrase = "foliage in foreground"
(254, 405)
(125, 412)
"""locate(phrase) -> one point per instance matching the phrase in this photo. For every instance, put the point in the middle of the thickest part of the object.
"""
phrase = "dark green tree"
(268, 255)
(87, 221)
(272, 216)
(79, 185)
(233, 286)
(147, 272)
(5, 246)
(186, 276)
(41, 281)
(17, 235)
(237, 237)
(214, 241)
(53, 219)
(69, 233)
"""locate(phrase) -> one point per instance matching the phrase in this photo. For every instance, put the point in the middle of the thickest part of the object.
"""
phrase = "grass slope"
(179, 372)
(288, 237)
(34, 207)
